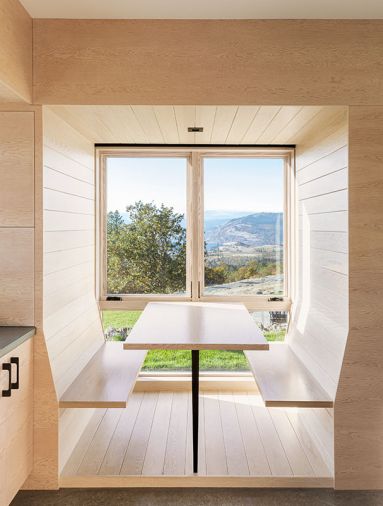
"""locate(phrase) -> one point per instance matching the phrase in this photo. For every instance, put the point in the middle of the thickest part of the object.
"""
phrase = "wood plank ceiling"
(140, 124)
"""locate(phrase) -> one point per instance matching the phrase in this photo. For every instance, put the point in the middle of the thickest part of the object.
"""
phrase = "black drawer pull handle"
(7, 393)
(16, 384)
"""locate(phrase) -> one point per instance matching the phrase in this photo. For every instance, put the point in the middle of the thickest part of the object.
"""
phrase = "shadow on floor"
(198, 497)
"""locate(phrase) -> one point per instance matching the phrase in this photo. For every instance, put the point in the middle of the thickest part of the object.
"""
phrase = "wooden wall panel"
(17, 276)
(15, 52)
(17, 169)
(68, 202)
(72, 423)
(319, 325)
(72, 324)
(320, 322)
(359, 400)
(21, 270)
(17, 165)
(268, 62)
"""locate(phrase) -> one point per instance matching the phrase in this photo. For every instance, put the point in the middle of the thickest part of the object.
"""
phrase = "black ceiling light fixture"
(195, 129)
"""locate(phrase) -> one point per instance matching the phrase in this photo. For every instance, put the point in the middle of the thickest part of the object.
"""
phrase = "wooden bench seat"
(284, 381)
(107, 380)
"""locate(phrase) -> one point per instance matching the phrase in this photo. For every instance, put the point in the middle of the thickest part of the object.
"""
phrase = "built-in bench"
(107, 380)
(284, 381)
(109, 377)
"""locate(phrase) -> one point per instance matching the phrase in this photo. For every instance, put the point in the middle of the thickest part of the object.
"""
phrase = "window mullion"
(189, 227)
(195, 202)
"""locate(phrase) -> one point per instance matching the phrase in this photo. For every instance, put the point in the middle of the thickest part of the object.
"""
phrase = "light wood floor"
(153, 437)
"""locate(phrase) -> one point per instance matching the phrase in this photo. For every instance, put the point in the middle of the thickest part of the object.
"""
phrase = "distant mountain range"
(214, 219)
(257, 229)
(224, 227)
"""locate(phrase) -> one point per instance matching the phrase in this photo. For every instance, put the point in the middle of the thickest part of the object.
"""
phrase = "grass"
(120, 319)
(180, 360)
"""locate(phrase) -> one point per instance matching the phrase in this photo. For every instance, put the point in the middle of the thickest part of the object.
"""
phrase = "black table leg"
(195, 402)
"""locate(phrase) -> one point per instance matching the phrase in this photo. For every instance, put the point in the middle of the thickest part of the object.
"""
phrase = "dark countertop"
(11, 337)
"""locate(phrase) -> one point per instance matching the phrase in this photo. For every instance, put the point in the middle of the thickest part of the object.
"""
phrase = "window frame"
(195, 225)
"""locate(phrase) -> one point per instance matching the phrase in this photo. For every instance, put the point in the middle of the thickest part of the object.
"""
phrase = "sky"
(239, 184)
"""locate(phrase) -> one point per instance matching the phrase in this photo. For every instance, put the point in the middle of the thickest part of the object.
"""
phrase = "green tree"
(216, 275)
(247, 271)
(148, 253)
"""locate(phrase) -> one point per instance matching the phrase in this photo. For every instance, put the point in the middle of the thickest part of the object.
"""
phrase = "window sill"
(252, 303)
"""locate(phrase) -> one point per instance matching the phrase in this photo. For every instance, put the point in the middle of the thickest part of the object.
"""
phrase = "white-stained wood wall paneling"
(72, 325)
(71, 319)
(319, 325)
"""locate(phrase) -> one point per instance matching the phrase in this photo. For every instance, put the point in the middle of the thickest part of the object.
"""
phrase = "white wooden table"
(195, 326)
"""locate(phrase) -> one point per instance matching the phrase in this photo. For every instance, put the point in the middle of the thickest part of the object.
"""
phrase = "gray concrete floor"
(197, 497)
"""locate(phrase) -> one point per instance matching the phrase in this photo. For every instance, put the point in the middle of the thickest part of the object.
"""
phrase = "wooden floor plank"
(94, 456)
(202, 443)
(136, 451)
(290, 442)
(83, 444)
(238, 438)
(275, 453)
(215, 445)
(176, 442)
(235, 452)
(255, 453)
(155, 452)
(189, 436)
(115, 453)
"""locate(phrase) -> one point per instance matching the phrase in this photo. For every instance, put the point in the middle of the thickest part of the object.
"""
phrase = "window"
(243, 226)
(198, 224)
(146, 225)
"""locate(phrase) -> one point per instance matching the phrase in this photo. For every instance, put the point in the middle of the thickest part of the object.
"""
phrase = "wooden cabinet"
(16, 422)
(17, 217)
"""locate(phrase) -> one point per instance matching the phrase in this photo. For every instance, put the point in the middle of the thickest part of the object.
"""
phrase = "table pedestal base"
(195, 406)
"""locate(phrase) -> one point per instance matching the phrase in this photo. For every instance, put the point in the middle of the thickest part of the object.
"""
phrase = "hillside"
(258, 229)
